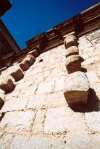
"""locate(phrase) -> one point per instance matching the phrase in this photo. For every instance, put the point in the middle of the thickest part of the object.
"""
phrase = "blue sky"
(28, 18)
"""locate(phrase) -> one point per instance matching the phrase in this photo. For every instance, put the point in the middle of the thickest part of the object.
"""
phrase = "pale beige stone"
(55, 100)
(17, 122)
(69, 41)
(24, 65)
(82, 141)
(19, 142)
(15, 104)
(90, 61)
(56, 143)
(45, 87)
(34, 53)
(37, 101)
(73, 63)
(73, 50)
(63, 119)
(60, 83)
(39, 122)
(5, 141)
(92, 77)
(76, 88)
(6, 84)
(38, 142)
(93, 121)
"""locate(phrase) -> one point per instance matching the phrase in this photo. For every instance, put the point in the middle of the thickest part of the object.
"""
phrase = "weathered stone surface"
(34, 53)
(79, 141)
(55, 100)
(5, 141)
(36, 101)
(38, 142)
(82, 141)
(46, 87)
(59, 86)
(24, 65)
(57, 144)
(19, 142)
(39, 122)
(6, 84)
(30, 58)
(63, 119)
(15, 104)
(93, 121)
(69, 41)
(76, 88)
(17, 122)
(73, 63)
(92, 77)
(17, 73)
(73, 50)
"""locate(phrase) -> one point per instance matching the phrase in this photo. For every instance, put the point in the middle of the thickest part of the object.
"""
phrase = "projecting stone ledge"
(73, 63)
(24, 65)
(76, 88)
(69, 41)
(16, 73)
(30, 58)
(73, 50)
(6, 84)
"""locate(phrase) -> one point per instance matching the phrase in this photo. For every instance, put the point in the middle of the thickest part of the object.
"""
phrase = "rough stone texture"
(36, 114)
(19, 142)
(73, 63)
(93, 121)
(92, 77)
(5, 141)
(30, 58)
(24, 65)
(34, 53)
(60, 120)
(76, 88)
(17, 73)
(17, 122)
(73, 50)
(6, 84)
(69, 41)
(82, 141)
(15, 104)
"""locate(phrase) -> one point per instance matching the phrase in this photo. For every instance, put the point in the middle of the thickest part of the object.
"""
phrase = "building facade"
(50, 95)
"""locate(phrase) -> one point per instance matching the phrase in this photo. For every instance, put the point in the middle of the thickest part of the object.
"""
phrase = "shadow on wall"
(93, 103)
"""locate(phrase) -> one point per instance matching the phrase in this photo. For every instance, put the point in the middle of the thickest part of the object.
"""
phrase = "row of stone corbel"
(76, 88)
(15, 73)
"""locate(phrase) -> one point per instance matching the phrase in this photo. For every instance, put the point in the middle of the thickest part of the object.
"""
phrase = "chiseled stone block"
(76, 88)
(73, 50)
(59, 120)
(73, 63)
(69, 41)
(30, 58)
(34, 53)
(6, 84)
(93, 121)
(17, 122)
(24, 65)
(17, 73)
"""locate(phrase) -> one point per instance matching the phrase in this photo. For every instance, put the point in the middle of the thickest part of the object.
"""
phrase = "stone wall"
(35, 113)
